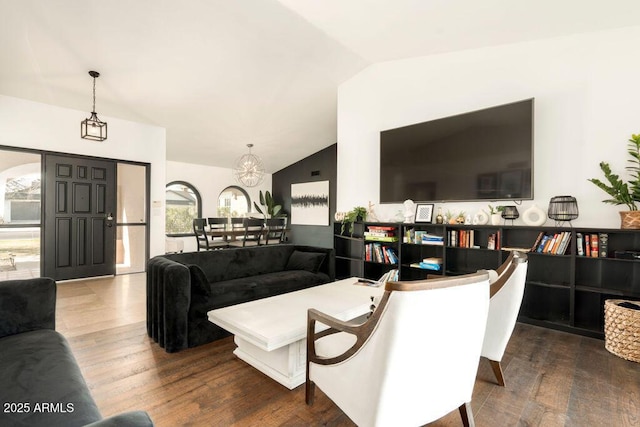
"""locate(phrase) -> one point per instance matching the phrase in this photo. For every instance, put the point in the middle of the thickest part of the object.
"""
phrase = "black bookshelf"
(563, 291)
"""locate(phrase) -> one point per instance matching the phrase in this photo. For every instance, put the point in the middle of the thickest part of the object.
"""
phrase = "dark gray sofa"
(182, 288)
(41, 382)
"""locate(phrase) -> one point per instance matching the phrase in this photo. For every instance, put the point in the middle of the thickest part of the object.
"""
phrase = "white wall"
(210, 181)
(586, 90)
(30, 124)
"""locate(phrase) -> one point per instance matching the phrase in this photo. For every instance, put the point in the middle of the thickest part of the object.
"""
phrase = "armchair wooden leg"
(467, 415)
(310, 391)
(497, 371)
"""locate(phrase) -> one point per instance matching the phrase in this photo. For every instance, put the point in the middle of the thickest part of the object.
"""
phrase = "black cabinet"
(565, 288)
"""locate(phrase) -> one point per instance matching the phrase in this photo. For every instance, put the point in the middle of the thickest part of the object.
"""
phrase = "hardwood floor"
(553, 378)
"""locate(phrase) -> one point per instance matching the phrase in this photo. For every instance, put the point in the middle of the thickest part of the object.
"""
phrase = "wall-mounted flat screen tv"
(480, 155)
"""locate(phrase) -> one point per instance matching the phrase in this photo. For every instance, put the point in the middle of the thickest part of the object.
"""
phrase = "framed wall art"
(424, 212)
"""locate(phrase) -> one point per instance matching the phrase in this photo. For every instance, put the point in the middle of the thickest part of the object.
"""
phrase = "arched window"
(183, 205)
(233, 201)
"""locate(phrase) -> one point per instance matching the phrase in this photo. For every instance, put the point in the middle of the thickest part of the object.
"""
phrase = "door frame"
(42, 154)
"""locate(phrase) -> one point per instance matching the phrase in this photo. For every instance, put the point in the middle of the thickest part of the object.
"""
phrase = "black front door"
(79, 225)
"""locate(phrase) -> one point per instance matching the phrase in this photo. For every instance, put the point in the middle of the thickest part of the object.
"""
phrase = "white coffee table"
(270, 333)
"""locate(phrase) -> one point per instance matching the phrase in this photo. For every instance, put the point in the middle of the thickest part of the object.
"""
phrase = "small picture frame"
(424, 212)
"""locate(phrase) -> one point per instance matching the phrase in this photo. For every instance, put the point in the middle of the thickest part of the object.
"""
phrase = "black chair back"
(253, 231)
(199, 231)
(275, 230)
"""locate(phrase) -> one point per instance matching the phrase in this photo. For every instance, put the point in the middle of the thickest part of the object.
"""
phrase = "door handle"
(109, 219)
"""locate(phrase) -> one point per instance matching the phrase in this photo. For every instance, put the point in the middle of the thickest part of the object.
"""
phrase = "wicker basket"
(622, 330)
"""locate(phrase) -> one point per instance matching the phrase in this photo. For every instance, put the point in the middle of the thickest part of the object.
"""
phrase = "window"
(183, 205)
(233, 201)
(20, 209)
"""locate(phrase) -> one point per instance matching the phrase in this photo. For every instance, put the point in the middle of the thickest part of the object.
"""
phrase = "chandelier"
(249, 170)
(93, 128)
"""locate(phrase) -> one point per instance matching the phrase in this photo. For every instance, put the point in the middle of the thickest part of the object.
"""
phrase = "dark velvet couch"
(41, 383)
(182, 288)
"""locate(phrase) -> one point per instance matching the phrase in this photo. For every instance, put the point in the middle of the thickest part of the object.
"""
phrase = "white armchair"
(506, 293)
(412, 362)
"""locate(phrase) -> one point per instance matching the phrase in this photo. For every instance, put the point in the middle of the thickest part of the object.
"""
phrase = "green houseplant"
(358, 213)
(621, 192)
(269, 207)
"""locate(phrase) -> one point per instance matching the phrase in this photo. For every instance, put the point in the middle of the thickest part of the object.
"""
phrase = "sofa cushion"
(307, 261)
(38, 368)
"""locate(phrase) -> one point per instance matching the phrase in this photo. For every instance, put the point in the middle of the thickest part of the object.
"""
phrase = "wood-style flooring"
(553, 378)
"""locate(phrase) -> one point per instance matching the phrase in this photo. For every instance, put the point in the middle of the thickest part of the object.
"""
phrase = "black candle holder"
(510, 213)
(563, 209)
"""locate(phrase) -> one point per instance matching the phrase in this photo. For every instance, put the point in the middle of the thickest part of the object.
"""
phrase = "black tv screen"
(481, 155)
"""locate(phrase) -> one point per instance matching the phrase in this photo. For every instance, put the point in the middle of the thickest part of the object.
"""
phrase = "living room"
(583, 80)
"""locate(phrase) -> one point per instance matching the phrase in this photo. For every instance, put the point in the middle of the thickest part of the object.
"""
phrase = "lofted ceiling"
(219, 74)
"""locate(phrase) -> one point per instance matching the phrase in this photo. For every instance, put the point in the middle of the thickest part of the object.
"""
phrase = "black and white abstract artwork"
(310, 203)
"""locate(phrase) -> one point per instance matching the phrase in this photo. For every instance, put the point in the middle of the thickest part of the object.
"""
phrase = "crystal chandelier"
(249, 170)
(93, 128)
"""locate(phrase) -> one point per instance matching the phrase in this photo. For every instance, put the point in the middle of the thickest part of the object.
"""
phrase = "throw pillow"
(308, 261)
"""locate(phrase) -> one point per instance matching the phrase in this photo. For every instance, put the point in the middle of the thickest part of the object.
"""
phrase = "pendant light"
(249, 170)
(93, 128)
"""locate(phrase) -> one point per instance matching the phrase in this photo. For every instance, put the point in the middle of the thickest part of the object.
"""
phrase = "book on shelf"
(493, 241)
(587, 245)
(389, 276)
(579, 244)
(426, 266)
(604, 244)
(594, 246)
(381, 227)
(537, 242)
(389, 239)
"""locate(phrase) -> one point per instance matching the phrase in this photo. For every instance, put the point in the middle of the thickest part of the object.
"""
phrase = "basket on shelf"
(622, 329)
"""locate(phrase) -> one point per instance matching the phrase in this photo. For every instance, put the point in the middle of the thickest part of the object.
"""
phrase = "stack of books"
(429, 264)
(381, 233)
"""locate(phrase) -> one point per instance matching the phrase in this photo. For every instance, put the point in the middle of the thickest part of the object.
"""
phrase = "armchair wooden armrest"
(361, 331)
(506, 270)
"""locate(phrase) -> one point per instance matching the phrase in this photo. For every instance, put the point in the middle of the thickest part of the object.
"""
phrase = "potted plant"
(271, 209)
(621, 192)
(358, 213)
(496, 214)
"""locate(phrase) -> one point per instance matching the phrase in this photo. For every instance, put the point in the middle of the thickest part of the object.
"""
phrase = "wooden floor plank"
(552, 378)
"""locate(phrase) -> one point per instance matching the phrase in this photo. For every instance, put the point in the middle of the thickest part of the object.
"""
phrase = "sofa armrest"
(168, 302)
(126, 419)
(27, 305)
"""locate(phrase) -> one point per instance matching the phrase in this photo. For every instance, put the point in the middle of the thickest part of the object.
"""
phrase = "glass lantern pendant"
(93, 128)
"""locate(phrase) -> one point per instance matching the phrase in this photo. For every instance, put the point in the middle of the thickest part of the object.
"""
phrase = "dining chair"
(506, 292)
(275, 230)
(200, 232)
(413, 361)
(253, 233)
(218, 224)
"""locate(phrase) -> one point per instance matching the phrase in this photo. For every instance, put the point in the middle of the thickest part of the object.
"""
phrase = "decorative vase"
(630, 220)
(480, 218)
(439, 217)
(534, 216)
(496, 218)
